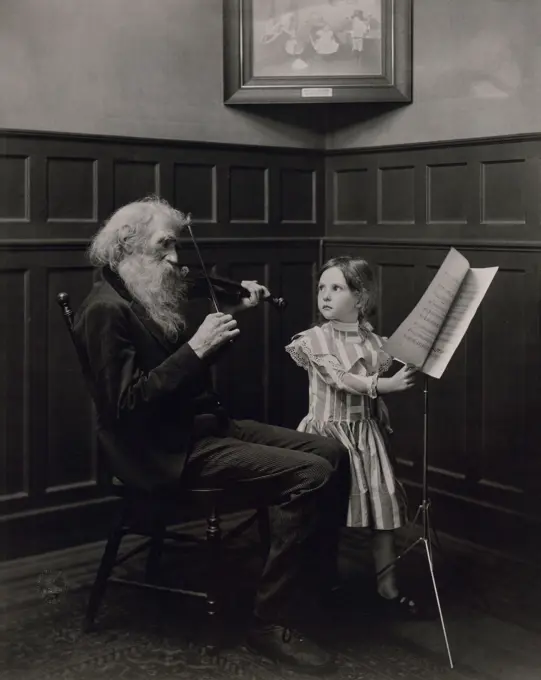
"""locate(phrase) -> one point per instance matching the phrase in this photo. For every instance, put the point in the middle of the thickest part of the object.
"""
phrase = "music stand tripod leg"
(426, 517)
(399, 557)
(424, 511)
(435, 587)
(431, 530)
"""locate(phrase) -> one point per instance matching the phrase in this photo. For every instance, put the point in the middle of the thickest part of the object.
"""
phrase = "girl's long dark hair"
(360, 278)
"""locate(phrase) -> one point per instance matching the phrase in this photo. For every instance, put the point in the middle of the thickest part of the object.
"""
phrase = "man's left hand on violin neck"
(257, 294)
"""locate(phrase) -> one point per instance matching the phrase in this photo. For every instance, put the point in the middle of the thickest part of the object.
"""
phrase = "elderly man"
(154, 396)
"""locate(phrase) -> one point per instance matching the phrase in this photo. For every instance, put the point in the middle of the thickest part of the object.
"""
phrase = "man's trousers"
(307, 476)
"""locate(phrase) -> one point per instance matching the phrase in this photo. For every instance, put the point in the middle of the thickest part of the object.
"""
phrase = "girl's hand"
(404, 379)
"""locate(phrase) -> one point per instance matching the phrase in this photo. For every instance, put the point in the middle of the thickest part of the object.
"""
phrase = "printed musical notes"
(430, 334)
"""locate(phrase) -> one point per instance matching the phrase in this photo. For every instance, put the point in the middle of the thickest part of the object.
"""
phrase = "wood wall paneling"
(502, 195)
(297, 195)
(50, 493)
(54, 192)
(482, 197)
(483, 425)
(70, 453)
(396, 195)
(133, 180)
(61, 187)
(258, 378)
(72, 190)
(14, 384)
(485, 191)
(248, 194)
(510, 376)
(351, 196)
(14, 188)
(299, 287)
(195, 190)
(260, 214)
(243, 376)
(446, 193)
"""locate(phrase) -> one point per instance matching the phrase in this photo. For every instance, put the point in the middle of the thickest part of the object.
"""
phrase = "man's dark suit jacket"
(147, 390)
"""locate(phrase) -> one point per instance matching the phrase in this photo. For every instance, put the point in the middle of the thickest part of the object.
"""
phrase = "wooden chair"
(149, 515)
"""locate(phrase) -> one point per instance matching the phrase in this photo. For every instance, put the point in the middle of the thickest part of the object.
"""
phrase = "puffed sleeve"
(311, 350)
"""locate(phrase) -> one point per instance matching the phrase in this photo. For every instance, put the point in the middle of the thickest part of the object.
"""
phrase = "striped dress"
(355, 416)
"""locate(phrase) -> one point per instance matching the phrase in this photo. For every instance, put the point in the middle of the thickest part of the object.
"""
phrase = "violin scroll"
(278, 302)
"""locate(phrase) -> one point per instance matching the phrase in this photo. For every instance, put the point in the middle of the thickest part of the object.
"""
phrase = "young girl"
(344, 360)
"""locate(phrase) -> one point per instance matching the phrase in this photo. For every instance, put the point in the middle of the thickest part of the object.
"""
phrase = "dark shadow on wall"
(346, 115)
(308, 119)
(320, 119)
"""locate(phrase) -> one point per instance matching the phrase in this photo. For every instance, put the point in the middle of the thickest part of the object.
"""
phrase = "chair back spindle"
(63, 300)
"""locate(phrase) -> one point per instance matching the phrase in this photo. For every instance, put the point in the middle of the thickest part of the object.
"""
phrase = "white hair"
(127, 229)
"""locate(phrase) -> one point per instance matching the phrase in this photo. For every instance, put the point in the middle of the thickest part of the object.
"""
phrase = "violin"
(226, 290)
(201, 284)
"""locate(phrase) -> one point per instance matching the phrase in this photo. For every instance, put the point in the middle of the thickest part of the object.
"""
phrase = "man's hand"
(215, 331)
(257, 293)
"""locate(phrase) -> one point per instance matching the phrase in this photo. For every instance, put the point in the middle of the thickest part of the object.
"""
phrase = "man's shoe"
(288, 647)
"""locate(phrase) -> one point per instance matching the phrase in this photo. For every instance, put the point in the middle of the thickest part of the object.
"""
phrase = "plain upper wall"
(142, 68)
(153, 68)
(476, 74)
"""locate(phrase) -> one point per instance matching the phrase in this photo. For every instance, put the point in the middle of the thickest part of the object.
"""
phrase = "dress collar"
(362, 327)
(345, 325)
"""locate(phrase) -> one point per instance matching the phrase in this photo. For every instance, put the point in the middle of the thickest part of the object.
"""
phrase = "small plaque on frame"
(316, 92)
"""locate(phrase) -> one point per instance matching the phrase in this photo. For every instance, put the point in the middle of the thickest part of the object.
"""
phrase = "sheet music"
(413, 339)
(459, 317)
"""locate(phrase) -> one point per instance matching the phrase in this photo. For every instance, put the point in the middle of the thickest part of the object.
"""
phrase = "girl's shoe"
(402, 607)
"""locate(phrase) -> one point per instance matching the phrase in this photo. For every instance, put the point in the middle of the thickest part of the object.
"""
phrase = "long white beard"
(159, 288)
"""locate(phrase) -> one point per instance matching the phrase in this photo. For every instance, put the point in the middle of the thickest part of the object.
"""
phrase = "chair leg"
(263, 525)
(214, 553)
(104, 572)
(156, 549)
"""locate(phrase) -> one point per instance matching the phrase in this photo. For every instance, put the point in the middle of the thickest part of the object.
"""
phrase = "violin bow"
(279, 303)
(203, 268)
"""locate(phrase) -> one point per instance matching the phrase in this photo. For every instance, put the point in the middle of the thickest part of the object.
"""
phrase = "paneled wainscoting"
(253, 203)
(469, 191)
(51, 485)
(484, 427)
(402, 208)
(260, 214)
(62, 186)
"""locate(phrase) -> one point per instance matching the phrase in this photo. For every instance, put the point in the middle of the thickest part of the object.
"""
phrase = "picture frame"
(317, 51)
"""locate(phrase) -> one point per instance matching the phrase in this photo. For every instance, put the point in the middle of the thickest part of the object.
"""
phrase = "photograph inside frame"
(318, 38)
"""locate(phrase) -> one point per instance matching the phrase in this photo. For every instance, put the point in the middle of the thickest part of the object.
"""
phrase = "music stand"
(428, 338)
(424, 511)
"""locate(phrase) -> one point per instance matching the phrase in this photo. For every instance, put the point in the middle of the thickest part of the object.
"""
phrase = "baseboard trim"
(43, 530)
(512, 535)
(20, 578)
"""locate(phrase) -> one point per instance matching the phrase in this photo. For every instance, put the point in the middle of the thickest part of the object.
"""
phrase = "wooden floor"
(491, 607)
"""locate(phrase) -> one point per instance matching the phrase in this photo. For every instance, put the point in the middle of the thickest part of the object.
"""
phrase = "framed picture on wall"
(317, 51)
